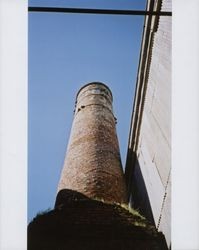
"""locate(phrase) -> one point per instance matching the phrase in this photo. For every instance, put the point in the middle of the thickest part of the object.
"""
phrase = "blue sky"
(67, 51)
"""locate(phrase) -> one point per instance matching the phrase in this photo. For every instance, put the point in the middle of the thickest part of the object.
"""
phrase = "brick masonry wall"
(86, 224)
(92, 165)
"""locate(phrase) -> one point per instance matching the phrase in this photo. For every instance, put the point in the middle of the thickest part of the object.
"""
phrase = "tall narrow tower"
(92, 169)
(93, 165)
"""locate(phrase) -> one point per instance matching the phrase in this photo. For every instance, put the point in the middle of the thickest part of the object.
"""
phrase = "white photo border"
(14, 123)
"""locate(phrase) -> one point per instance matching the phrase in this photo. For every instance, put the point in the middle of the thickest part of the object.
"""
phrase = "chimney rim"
(92, 83)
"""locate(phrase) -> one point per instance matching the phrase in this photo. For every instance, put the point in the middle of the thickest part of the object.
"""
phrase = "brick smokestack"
(93, 165)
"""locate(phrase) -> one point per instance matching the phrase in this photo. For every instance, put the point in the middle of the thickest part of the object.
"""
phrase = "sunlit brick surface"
(92, 165)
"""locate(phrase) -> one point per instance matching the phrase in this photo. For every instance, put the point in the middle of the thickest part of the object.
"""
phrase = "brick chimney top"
(95, 84)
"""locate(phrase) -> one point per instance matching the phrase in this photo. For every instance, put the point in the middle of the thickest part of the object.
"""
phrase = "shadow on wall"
(139, 198)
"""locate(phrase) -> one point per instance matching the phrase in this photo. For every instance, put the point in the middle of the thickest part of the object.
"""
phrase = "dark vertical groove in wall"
(138, 102)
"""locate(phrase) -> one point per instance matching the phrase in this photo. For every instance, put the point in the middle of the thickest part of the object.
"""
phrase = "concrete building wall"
(150, 137)
(92, 165)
